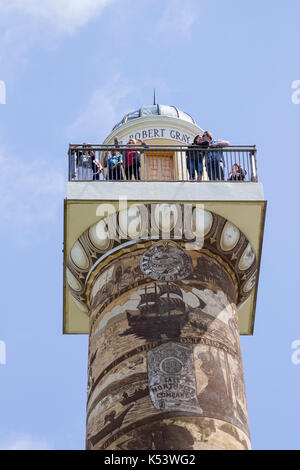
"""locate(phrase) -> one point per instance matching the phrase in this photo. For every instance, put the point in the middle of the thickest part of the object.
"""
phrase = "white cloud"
(105, 108)
(66, 16)
(31, 192)
(24, 23)
(25, 442)
(110, 102)
(177, 19)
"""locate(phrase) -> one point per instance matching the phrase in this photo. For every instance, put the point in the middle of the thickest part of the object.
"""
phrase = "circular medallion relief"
(202, 222)
(230, 236)
(171, 365)
(247, 258)
(79, 256)
(99, 235)
(166, 261)
(166, 216)
(72, 281)
(130, 222)
(250, 283)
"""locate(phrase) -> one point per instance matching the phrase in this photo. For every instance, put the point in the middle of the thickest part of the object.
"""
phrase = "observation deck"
(163, 175)
(167, 172)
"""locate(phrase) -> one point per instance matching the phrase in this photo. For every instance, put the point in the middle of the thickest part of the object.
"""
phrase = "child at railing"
(237, 173)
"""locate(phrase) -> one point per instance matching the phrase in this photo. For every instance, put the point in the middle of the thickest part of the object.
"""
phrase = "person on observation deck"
(73, 161)
(84, 165)
(214, 161)
(114, 164)
(131, 158)
(98, 175)
(194, 157)
(86, 159)
(237, 173)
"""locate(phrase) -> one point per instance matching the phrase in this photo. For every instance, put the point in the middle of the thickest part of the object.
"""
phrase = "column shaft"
(165, 368)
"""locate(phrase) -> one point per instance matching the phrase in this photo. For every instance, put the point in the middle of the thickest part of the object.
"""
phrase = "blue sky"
(72, 69)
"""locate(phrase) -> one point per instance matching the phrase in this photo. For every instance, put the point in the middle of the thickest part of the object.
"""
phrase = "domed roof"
(155, 109)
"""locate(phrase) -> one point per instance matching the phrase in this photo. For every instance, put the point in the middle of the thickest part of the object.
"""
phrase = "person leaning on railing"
(214, 161)
(194, 158)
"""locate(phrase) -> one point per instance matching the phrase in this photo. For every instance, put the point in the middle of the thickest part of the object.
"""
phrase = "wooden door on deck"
(159, 166)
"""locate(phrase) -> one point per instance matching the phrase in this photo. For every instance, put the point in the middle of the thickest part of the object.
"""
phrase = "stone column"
(165, 368)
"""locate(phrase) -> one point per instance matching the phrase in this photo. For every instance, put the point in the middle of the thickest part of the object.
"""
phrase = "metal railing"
(162, 163)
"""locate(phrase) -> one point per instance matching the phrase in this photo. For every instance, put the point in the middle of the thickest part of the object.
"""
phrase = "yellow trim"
(248, 216)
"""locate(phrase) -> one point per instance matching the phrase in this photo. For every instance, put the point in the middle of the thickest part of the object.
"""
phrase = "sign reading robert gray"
(160, 133)
(171, 375)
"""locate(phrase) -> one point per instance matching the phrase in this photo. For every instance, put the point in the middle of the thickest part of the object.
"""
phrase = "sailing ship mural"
(160, 313)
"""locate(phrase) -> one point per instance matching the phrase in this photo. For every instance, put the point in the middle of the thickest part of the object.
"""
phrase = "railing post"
(253, 166)
(70, 165)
